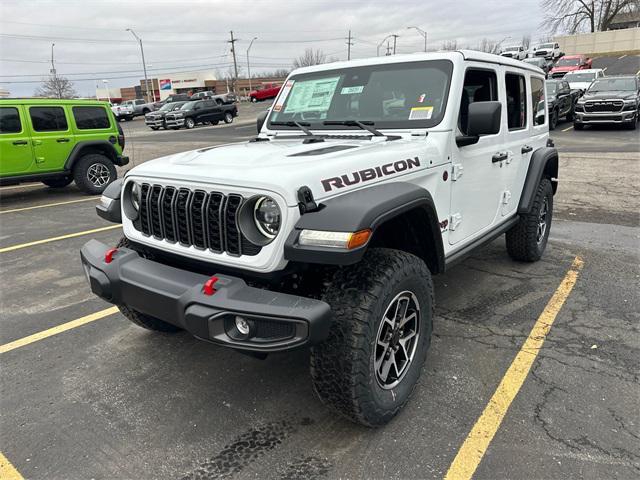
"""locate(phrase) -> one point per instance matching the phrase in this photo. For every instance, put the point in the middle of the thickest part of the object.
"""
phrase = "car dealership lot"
(107, 399)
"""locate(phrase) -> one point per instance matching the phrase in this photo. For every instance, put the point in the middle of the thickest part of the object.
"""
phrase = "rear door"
(52, 137)
(15, 146)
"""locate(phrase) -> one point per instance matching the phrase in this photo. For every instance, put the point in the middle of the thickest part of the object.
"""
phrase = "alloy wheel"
(397, 339)
(98, 174)
(542, 221)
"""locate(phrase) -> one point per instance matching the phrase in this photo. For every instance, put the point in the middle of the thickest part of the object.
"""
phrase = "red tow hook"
(108, 257)
(209, 286)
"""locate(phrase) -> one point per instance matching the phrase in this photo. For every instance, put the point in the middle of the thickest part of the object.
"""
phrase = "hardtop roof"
(51, 101)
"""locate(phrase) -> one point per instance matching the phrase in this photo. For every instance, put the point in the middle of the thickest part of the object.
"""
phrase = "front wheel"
(189, 123)
(527, 240)
(382, 309)
(228, 118)
(155, 128)
(553, 121)
(254, 100)
(93, 173)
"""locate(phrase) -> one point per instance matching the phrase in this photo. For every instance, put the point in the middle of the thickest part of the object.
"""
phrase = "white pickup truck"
(365, 179)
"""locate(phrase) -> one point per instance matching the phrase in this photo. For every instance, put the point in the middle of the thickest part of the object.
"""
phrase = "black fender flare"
(367, 208)
(111, 211)
(103, 145)
(544, 162)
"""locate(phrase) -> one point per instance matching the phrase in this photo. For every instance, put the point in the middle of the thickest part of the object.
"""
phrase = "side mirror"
(484, 119)
(261, 119)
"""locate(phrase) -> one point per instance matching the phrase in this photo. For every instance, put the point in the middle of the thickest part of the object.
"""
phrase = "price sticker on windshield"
(421, 113)
(284, 93)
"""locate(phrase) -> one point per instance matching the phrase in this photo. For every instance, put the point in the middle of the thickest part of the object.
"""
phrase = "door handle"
(62, 140)
(499, 157)
(20, 142)
(37, 142)
(526, 149)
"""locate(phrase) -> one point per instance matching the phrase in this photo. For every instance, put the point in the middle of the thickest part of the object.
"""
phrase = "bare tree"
(450, 45)
(487, 45)
(56, 87)
(579, 15)
(526, 41)
(310, 57)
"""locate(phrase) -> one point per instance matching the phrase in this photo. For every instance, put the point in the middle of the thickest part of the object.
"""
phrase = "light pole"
(144, 66)
(249, 66)
(421, 32)
(380, 44)
(495, 49)
(106, 86)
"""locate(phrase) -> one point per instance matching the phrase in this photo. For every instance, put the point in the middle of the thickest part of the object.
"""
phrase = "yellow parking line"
(55, 239)
(567, 129)
(478, 440)
(22, 209)
(7, 470)
(7, 347)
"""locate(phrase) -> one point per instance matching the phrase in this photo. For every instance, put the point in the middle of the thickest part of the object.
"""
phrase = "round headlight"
(266, 215)
(135, 196)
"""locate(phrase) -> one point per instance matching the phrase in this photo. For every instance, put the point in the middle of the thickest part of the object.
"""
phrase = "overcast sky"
(91, 41)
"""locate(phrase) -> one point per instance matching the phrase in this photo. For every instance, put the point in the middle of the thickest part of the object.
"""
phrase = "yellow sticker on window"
(421, 113)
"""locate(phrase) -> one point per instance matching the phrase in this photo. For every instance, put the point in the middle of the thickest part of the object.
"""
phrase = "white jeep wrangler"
(366, 178)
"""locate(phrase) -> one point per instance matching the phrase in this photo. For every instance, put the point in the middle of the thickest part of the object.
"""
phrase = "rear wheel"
(93, 173)
(527, 240)
(228, 118)
(553, 121)
(58, 182)
(383, 307)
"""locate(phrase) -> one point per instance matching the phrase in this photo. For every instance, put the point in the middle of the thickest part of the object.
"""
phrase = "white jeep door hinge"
(456, 219)
(506, 197)
(456, 171)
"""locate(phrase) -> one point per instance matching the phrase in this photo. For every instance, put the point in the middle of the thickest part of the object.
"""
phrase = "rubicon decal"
(367, 174)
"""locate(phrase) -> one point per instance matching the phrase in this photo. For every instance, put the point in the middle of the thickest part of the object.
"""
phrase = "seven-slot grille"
(205, 220)
(606, 106)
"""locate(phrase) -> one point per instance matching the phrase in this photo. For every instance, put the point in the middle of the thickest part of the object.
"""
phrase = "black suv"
(200, 111)
(561, 101)
(155, 120)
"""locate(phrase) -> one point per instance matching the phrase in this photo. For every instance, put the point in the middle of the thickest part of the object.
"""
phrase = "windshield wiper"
(364, 124)
(302, 126)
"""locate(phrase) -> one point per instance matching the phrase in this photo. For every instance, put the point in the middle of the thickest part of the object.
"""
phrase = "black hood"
(613, 94)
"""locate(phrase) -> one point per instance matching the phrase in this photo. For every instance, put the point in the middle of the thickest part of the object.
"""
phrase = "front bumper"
(605, 117)
(174, 122)
(278, 321)
(159, 122)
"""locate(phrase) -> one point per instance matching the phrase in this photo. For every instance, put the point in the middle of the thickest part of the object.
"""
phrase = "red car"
(570, 63)
(267, 91)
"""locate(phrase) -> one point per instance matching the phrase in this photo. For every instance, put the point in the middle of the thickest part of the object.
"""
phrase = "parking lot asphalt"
(110, 400)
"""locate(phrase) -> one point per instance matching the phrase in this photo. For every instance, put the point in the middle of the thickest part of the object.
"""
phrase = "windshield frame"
(446, 65)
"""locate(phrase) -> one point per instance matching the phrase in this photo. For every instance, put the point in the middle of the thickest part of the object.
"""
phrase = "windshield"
(165, 108)
(535, 61)
(552, 88)
(512, 49)
(546, 45)
(611, 84)
(568, 62)
(396, 95)
(188, 106)
(579, 77)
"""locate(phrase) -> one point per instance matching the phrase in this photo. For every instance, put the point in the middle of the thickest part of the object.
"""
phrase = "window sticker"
(421, 113)
(351, 90)
(312, 95)
(283, 95)
(421, 98)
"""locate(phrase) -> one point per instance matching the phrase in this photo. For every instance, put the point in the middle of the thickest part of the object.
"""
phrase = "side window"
(88, 118)
(516, 101)
(48, 119)
(479, 86)
(538, 101)
(10, 120)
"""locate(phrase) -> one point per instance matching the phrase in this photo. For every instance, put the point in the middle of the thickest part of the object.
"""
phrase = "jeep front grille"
(204, 220)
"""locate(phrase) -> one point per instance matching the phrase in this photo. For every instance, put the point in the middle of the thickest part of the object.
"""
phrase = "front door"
(15, 147)
(477, 171)
(52, 137)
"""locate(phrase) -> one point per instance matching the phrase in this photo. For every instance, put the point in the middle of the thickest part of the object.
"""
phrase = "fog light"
(243, 326)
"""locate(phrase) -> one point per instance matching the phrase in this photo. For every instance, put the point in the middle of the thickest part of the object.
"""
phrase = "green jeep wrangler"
(59, 141)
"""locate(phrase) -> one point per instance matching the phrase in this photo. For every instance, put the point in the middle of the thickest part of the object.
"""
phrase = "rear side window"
(10, 120)
(516, 101)
(537, 101)
(48, 119)
(88, 118)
